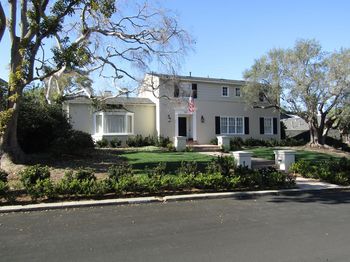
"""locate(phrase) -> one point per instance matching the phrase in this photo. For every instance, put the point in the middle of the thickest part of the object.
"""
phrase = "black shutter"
(246, 125)
(262, 126)
(217, 125)
(176, 90)
(275, 125)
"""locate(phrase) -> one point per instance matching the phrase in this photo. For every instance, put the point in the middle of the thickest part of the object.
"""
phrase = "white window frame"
(235, 126)
(236, 89)
(271, 131)
(126, 122)
(222, 91)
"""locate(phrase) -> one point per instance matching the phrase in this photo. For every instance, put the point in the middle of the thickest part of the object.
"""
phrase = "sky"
(231, 34)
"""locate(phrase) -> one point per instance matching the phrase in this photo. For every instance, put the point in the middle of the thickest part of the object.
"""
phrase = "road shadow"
(330, 197)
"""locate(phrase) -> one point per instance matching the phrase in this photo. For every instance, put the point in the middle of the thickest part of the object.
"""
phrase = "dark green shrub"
(39, 123)
(3, 176)
(102, 143)
(304, 168)
(115, 172)
(115, 142)
(162, 141)
(170, 147)
(225, 165)
(214, 141)
(82, 182)
(158, 171)
(236, 143)
(3, 188)
(36, 181)
(210, 181)
(188, 168)
(74, 142)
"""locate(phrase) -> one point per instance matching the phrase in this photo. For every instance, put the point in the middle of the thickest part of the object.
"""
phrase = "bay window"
(114, 123)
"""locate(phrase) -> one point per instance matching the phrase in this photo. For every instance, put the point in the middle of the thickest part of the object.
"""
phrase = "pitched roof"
(113, 100)
(199, 79)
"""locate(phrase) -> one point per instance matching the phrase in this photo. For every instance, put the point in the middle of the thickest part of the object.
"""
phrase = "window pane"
(267, 125)
(239, 123)
(232, 125)
(223, 125)
(224, 91)
(114, 124)
(129, 124)
(238, 91)
(98, 124)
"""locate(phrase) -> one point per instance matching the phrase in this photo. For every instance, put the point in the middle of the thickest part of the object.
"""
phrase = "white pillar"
(284, 159)
(243, 158)
(224, 142)
(180, 143)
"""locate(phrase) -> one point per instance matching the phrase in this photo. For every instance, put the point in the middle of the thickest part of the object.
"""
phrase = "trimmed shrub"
(3, 188)
(236, 143)
(115, 142)
(36, 181)
(188, 168)
(102, 143)
(3, 176)
(224, 165)
(74, 142)
(115, 172)
(210, 181)
(39, 123)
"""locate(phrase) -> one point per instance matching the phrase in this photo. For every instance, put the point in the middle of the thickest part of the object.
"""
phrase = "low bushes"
(140, 141)
(3, 183)
(335, 170)
(221, 174)
(237, 143)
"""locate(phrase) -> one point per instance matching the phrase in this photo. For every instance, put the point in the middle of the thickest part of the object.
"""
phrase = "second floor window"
(224, 91)
(238, 91)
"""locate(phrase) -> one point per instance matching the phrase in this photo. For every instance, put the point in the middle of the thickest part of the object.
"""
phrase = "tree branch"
(2, 22)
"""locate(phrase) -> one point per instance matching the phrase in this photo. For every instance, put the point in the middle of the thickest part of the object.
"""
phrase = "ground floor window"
(268, 125)
(231, 125)
(114, 123)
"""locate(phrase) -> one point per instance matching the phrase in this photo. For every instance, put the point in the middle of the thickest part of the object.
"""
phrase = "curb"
(145, 200)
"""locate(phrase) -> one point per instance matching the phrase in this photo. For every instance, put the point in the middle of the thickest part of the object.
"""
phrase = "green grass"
(142, 160)
(267, 153)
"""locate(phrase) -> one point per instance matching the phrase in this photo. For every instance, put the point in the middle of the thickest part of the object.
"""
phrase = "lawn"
(267, 153)
(142, 160)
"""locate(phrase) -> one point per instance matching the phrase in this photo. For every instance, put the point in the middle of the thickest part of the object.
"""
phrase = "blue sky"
(231, 34)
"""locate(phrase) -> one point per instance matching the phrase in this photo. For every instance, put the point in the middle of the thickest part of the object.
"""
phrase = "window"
(176, 90)
(238, 91)
(114, 123)
(194, 90)
(231, 125)
(224, 91)
(268, 125)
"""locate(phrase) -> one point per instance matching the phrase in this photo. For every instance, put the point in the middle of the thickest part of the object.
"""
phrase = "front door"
(182, 126)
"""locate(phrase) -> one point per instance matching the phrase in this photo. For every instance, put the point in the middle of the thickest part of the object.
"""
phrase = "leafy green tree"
(304, 80)
(102, 36)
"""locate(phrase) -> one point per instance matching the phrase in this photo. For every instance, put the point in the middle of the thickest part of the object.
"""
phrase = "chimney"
(190, 73)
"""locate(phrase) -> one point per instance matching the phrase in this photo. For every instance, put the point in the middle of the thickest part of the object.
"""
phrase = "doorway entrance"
(182, 126)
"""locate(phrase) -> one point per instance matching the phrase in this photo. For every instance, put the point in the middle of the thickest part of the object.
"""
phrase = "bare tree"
(308, 81)
(105, 37)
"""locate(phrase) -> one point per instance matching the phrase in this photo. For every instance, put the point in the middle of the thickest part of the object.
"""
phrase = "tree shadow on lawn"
(98, 159)
(328, 197)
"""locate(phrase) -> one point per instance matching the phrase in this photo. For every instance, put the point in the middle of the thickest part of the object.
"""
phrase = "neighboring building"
(195, 107)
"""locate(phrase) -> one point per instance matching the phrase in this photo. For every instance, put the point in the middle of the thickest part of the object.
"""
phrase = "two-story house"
(219, 109)
(197, 108)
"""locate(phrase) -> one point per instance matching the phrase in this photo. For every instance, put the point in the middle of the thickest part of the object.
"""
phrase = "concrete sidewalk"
(309, 183)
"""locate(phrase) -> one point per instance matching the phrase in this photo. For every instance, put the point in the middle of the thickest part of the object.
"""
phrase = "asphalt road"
(305, 227)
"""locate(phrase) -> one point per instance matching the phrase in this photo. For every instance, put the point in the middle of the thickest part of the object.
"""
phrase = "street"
(294, 227)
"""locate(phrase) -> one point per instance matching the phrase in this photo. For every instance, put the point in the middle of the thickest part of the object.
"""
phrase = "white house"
(197, 108)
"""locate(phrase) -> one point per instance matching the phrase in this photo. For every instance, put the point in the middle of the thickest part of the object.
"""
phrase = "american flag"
(191, 106)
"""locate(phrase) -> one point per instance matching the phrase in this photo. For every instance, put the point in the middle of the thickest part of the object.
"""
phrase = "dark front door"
(182, 126)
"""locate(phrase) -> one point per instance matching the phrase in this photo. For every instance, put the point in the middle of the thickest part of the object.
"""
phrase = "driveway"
(293, 227)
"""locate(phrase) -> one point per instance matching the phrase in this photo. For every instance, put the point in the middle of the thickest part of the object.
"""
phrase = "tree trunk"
(9, 142)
